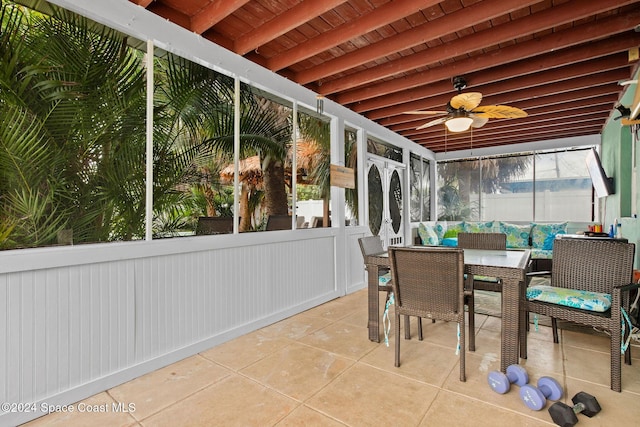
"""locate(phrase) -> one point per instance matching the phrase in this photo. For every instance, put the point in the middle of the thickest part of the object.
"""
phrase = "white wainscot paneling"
(70, 331)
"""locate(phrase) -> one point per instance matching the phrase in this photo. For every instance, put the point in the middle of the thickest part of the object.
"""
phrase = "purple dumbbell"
(501, 383)
(536, 397)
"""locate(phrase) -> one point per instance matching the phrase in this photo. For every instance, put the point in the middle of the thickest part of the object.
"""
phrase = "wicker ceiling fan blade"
(425, 112)
(478, 122)
(468, 101)
(499, 112)
(433, 123)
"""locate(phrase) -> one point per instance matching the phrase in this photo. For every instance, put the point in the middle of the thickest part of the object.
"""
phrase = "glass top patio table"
(509, 266)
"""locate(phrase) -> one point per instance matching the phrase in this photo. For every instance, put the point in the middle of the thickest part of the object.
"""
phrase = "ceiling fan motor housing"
(459, 83)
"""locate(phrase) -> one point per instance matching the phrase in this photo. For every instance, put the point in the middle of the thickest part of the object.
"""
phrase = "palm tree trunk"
(274, 188)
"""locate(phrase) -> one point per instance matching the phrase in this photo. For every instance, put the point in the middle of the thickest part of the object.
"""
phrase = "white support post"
(236, 154)
(149, 143)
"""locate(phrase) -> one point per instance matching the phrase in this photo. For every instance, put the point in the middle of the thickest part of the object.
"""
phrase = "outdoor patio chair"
(278, 222)
(429, 282)
(587, 274)
(214, 225)
(372, 245)
(494, 241)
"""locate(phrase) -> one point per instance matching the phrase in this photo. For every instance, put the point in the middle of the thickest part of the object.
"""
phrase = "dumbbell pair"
(534, 397)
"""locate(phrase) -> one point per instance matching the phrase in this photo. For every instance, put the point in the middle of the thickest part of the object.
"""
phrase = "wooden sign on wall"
(342, 176)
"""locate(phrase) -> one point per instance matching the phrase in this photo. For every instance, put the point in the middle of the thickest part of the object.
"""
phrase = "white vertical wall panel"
(73, 330)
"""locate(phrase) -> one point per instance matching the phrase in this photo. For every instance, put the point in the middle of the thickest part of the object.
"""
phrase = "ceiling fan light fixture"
(459, 122)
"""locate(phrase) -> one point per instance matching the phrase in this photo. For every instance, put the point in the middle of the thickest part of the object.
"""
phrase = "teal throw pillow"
(440, 228)
(450, 241)
(517, 235)
(543, 235)
(428, 235)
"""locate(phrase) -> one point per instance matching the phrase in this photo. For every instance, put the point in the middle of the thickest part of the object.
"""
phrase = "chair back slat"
(592, 265)
(492, 241)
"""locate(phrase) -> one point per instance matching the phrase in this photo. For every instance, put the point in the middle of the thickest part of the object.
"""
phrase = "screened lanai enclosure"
(140, 165)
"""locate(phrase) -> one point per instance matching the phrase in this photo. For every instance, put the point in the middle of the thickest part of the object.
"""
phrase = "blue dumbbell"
(501, 383)
(536, 397)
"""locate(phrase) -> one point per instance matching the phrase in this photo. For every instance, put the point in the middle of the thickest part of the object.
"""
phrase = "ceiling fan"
(464, 111)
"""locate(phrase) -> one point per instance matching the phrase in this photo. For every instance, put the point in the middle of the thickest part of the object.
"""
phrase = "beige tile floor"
(319, 369)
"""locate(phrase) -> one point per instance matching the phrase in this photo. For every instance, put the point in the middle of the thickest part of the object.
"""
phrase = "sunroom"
(106, 276)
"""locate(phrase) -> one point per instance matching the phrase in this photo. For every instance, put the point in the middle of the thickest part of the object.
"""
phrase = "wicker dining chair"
(278, 222)
(429, 282)
(214, 225)
(604, 266)
(494, 241)
(372, 245)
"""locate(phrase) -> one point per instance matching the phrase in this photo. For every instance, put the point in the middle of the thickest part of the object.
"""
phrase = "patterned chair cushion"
(541, 254)
(384, 279)
(517, 235)
(543, 235)
(592, 301)
(478, 227)
(428, 235)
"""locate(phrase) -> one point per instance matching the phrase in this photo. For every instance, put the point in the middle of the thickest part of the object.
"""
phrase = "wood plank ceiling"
(559, 60)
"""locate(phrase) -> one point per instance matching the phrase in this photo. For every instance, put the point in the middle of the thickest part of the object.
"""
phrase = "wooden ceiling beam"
(543, 78)
(381, 16)
(540, 134)
(559, 102)
(170, 14)
(568, 108)
(504, 126)
(585, 33)
(432, 30)
(569, 133)
(613, 48)
(598, 83)
(507, 32)
(283, 23)
(143, 3)
(493, 127)
(213, 13)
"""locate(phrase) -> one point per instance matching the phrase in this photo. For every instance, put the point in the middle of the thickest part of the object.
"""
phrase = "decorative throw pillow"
(592, 301)
(454, 229)
(517, 235)
(440, 228)
(543, 235)
(478, 227)
(428, 235)
(450, 241)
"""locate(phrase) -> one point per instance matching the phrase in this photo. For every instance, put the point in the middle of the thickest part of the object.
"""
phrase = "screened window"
(544, 186)
(420, 192)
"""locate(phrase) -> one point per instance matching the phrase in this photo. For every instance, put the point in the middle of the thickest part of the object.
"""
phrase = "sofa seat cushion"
(592, 301)
(541, 253)
(543, 235)
(517, 235)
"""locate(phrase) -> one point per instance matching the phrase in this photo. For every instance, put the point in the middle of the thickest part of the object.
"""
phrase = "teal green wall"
(618, 162)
